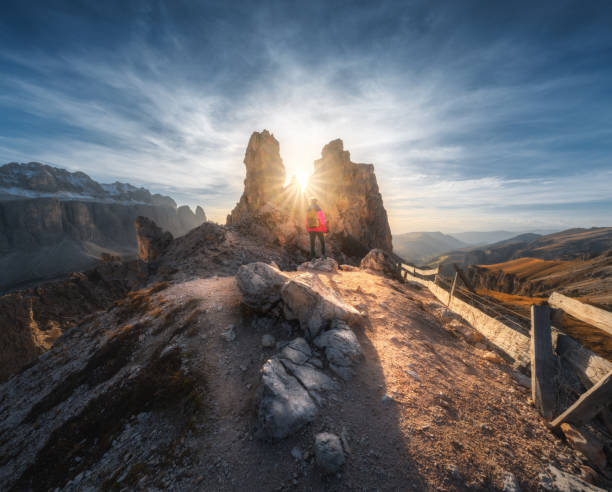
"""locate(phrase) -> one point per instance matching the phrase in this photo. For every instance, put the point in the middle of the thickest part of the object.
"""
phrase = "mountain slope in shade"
(53, 222)
(417, 247)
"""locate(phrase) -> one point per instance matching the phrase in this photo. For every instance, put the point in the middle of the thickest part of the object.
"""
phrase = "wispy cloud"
(465, 127)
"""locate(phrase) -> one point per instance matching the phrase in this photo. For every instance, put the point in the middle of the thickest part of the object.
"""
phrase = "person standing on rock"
(315, 225)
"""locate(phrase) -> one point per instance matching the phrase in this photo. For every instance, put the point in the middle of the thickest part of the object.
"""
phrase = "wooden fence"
(543, 362)
(537, 351)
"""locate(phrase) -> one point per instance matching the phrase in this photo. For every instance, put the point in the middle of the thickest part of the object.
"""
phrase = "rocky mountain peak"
(348, 193)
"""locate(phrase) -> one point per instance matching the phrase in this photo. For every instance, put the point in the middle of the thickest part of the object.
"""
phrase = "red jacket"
(322, 227)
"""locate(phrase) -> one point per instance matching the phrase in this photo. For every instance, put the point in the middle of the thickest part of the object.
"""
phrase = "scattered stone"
(296, 453)
(229, 335)
(260, 285)
(493, 357)
(386, 398)
(320, 264)
(555, 480)
(524, 381)
(329, 452)
(510, 483)
(586, 443)
(285, 405)
(268, 341)
(380, 261)
(412, 374)
(454, 472)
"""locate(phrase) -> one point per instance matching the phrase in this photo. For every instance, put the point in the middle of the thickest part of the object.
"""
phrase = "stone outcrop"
(153, 241)
(31, 320)
(347, 192)
(349, 195)
(307, 300)
(381, 262)
(260, 285)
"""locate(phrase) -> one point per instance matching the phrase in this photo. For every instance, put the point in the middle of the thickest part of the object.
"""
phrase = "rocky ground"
(165, 390)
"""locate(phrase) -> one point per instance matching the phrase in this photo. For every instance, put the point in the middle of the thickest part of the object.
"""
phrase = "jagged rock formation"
(152, 240)
(31, 320)
(53, 222)
(347, 192)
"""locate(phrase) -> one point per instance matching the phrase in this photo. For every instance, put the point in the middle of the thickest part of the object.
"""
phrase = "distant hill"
(565, 245)
(418, 247)
(477, 238)
(53, 221)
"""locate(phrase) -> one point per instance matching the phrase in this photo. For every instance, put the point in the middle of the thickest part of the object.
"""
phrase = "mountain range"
(53, 221)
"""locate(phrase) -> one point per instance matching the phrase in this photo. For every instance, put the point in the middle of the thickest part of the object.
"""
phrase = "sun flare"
(302, 179)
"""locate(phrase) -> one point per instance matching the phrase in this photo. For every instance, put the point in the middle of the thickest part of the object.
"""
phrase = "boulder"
(285, 405)
(379, 261)
(152, 240)
(341, 346)
(555, 480)
(268, 341)
(306, 299)
(328, 265)
(260, 285)
(329, 452)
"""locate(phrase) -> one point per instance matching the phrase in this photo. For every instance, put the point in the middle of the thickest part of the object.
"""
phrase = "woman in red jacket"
(315, 225)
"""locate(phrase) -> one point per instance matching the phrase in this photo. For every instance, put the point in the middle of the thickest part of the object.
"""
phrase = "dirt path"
(450, 419)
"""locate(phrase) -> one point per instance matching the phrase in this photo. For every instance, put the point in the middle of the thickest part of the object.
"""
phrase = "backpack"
(312, 219)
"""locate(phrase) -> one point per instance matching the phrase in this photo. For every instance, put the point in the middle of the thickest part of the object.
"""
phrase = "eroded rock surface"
(153, 241)
(313, 305)
(260, 285)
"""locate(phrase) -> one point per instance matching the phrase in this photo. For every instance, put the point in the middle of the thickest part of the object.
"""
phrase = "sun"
(302, 179)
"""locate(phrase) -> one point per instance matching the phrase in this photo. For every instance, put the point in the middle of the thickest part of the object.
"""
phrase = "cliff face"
(53, 222)
(347, 192)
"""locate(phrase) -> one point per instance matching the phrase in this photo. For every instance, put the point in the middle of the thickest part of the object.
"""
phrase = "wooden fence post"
(589, 404)
(543, 364)
(452, 292)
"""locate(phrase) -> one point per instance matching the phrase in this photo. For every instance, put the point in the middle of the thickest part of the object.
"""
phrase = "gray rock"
(454, 472)
(285, 405)
(297, 351)
(344, 372)
(268, 341)
(296, 453)
(229, 335)
(319, 264)
(341, 346)
(260, 285)
(387, 399)
(329, 452)
(313, 304)
(555, 480)
(510, 483)
(310, 377)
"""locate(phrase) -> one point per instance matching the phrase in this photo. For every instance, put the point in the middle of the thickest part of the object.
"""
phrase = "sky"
(477, 115)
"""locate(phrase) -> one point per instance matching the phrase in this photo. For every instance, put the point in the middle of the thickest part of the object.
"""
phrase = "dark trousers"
(313, 236)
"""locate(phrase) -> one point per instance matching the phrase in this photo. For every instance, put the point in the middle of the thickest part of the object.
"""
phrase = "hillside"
(565, 245)
(418, 247)
(53, 222)
(477, 238)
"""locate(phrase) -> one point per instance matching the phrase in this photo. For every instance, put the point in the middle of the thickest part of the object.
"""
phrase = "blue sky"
(477, 115)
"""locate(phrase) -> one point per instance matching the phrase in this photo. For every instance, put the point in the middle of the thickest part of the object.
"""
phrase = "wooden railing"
(543, 362)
